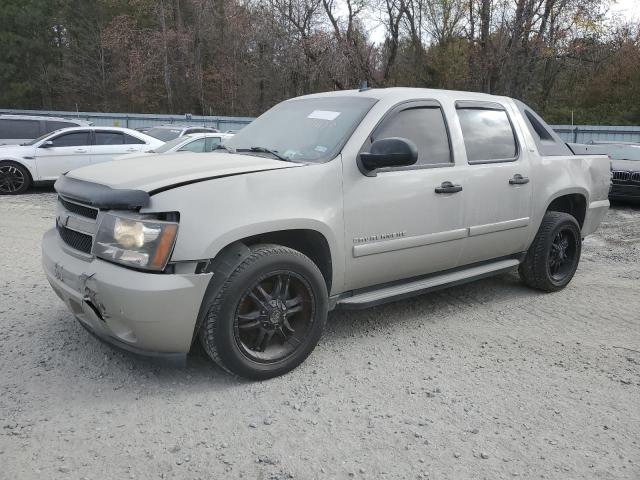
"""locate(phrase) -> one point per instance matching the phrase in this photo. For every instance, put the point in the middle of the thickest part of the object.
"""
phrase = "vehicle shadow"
(123, 370)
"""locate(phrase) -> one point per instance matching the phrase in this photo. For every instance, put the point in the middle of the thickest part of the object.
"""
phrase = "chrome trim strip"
(408, 242)
(498, 226)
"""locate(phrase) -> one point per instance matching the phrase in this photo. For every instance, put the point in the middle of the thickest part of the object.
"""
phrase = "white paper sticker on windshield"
(323, 115)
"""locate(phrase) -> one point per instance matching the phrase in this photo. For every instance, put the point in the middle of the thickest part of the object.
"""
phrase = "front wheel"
(552, 258)
(269, 314)
(14, 178)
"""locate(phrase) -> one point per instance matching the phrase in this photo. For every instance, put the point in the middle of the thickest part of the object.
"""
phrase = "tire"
(268, 315)
(552, 258)
(14, 178)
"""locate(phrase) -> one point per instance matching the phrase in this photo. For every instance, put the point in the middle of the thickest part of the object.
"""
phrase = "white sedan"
(191, 142)
(47, 157)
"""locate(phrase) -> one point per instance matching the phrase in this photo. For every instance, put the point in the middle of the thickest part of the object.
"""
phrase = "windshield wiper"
(265, 150)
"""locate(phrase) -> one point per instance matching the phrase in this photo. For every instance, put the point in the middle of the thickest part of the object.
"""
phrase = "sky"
(619, 9)
(626, 8)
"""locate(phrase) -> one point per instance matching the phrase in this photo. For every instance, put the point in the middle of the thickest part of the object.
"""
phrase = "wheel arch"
(310, 242)
(573, 203)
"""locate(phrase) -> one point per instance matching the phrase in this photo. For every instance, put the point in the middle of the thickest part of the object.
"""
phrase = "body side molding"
(408, 242)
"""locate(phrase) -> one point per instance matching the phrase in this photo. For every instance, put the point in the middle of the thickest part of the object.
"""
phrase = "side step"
(409, 288)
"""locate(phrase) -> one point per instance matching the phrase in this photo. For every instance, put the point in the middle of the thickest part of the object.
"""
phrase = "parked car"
(170, 132)
(338, 200)
(47, 157)
(625, 167)
(16, 129)
(193, 142)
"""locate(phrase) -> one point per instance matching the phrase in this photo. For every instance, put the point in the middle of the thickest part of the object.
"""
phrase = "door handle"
(131, 150)
(448, 187)
(518, 180)
(79, 150)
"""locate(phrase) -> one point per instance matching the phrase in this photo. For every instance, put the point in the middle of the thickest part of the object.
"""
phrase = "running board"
(398, 291)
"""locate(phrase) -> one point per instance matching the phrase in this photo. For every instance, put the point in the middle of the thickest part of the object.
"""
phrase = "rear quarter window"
(547, 141)
(19, 129)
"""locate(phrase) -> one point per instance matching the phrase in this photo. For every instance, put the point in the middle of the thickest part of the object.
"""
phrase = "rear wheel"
(14, 178)
(552, 258)
(268, 315)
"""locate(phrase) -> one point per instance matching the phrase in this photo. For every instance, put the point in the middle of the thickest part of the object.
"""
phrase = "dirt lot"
(488, 380)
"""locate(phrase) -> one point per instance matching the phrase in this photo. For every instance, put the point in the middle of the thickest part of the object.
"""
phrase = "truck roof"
(407, 93)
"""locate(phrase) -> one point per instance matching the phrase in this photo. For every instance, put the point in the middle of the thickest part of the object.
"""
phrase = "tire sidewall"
(224, 337)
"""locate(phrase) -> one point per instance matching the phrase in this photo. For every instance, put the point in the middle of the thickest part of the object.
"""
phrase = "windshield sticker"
(323, 115)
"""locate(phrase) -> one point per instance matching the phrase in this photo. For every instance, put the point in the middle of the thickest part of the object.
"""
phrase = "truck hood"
(159, 172)
(626, 165)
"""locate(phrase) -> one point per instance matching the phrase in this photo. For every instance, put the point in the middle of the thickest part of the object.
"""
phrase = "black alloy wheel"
(562, 256)
(274, 317)
(13, 179)
(268, 315)
(553, 256)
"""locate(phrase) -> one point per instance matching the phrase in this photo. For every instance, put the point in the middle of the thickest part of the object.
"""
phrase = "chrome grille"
(625, 176)
(78, 209)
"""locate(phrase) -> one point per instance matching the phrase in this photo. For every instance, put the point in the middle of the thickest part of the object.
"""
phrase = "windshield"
(311, 129)
(164, 134)
(41, 137)
(171, 144)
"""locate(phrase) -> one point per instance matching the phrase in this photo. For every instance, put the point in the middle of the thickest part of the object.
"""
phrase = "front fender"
(218, 212)
(29, 164)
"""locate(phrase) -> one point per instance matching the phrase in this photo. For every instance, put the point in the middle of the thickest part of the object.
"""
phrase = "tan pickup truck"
(336, 200)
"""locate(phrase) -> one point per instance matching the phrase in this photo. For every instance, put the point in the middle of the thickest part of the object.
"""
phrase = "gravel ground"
(487, 380)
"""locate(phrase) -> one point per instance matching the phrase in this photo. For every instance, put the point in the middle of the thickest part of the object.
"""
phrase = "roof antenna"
(363, 86)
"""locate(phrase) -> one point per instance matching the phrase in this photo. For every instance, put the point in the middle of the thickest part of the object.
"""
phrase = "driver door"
(401, 222)
(66, 151)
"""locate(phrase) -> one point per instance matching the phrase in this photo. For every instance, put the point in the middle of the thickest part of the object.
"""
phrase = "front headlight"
(136, 242)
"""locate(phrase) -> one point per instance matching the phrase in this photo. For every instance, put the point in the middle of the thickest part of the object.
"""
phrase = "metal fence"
(137, 120)
(589, 133)
(569, 133)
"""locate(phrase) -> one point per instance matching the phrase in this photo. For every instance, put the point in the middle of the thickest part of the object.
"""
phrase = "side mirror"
(47, 144)
(390, 152)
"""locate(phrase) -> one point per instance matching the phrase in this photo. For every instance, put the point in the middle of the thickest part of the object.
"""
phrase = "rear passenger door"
(498, 189)
(400, 223)
(65, 152)
(112, 143)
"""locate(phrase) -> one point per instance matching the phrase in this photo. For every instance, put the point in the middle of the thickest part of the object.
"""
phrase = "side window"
(425, 127)
(488, 135)
(211, 143)
(74, 139)
(131, 140)
(19, 129)
(109, 138)
(196, 146)
(55, 125)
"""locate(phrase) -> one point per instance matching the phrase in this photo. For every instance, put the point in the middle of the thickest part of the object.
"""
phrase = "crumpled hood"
(627, 165)
(154, 172)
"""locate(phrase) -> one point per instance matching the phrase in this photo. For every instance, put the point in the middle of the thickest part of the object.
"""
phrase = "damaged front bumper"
(146, 313)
